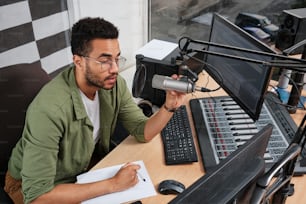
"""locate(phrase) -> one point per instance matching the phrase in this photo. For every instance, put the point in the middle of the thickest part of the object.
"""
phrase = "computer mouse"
(170, 187)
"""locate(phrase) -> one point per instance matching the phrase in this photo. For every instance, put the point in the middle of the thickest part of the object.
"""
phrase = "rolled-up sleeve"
(41, 145)
(57, 141)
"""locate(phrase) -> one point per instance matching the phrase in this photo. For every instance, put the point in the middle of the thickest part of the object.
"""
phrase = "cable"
(203, 89)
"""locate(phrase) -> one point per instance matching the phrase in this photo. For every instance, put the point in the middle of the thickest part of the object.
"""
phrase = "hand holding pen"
(140, 176)
(126, 177)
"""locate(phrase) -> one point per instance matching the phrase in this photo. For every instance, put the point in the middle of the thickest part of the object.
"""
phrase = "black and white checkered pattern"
(35, 31)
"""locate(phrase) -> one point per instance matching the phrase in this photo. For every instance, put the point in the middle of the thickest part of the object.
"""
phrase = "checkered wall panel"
(35, 31)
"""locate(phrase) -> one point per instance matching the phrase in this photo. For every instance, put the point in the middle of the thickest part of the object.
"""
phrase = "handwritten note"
(141, 190)
(157, 49)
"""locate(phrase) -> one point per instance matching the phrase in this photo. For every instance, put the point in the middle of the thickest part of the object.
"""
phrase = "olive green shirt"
(57, 141)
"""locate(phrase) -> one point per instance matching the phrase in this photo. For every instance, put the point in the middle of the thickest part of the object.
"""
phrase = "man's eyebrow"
(108, 55)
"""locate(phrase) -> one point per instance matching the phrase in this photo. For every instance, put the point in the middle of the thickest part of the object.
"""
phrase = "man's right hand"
(126, 177)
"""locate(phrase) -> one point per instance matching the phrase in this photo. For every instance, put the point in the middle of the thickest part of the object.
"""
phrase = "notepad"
(141, 190)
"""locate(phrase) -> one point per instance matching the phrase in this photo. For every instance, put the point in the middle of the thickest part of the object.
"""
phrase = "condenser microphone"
(167, 83)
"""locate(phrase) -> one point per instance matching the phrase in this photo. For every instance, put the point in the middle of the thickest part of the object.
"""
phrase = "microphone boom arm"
(296, 64)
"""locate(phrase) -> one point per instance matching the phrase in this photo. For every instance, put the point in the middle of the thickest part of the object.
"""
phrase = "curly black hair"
(88, 29)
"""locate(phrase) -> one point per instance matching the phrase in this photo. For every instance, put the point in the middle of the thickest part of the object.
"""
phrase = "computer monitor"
(233, 177)
(145, 69)
(246, 82)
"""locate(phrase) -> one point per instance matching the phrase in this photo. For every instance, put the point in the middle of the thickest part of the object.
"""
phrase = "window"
(170, 20)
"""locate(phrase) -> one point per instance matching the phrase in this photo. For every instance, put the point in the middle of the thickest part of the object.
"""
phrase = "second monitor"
(246, 82)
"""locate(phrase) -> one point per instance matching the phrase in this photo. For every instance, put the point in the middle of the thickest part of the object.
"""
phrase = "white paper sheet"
(157, 49)
(141, 190)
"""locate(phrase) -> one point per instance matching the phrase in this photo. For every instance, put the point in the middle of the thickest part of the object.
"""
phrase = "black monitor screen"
(230, 179)
(246, 82)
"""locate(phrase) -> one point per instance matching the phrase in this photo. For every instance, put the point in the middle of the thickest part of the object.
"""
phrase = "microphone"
(167, 83)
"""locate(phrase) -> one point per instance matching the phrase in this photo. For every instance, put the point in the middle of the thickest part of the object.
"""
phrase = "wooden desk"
(152, 154)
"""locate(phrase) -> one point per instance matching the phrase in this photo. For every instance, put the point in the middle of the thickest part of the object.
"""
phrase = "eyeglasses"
(107, 63)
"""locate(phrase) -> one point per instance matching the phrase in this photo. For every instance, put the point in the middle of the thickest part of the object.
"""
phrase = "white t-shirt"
(93, 111)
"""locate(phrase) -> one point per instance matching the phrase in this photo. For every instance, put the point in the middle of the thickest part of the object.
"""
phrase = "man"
(76, 112)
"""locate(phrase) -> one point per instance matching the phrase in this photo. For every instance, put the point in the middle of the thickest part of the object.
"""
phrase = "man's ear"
(77, 60)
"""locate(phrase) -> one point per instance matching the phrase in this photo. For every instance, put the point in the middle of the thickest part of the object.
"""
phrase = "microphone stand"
(295, 93)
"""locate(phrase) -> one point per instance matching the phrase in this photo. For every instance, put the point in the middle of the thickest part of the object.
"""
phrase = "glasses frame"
(108, 64)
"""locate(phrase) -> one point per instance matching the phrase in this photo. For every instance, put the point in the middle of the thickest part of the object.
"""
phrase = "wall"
(34, 31)
(38, 31)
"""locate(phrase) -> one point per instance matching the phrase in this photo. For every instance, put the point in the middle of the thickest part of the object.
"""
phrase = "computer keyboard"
(179, 146)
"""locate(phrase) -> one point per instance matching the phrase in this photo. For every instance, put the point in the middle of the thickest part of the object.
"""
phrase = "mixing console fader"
(222, 126)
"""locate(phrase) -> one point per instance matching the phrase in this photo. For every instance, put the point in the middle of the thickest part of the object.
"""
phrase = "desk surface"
(152, 154)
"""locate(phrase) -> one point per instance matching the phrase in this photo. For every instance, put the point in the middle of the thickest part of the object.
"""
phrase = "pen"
(142, 178)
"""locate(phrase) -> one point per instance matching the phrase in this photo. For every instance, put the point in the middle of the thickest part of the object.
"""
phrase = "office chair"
(19, 84)
(276, 191)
